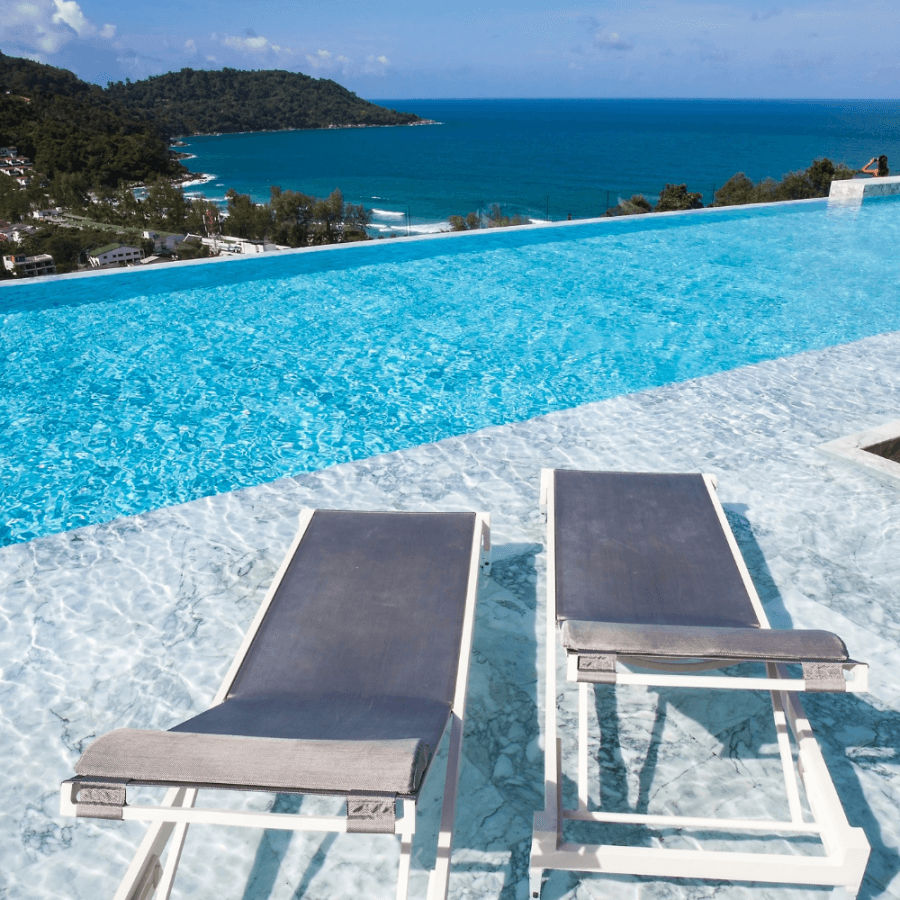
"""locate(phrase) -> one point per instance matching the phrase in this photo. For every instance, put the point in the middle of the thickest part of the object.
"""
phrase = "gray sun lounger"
(644, 570)
(354, 667)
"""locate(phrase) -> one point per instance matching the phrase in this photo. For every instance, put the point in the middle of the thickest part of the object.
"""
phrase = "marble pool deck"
(134, 622)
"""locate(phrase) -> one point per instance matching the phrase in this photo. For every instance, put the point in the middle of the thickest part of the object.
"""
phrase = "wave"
(388, 213)
(413, 228)
(200, 179)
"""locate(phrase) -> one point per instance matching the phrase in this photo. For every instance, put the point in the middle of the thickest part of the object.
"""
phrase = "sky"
(394, 49)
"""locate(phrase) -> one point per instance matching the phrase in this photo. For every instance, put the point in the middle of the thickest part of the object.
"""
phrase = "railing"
(399, 217)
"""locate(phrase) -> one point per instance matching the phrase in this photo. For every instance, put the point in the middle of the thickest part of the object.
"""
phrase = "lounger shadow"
(644, 571)
(351, 672)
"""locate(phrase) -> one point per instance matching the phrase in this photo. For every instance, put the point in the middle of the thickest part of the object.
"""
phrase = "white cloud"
(69, 12)
(610, 40)
(40, 28)
(190, 46)
(604, 39)
(376, 65)
(252, 44)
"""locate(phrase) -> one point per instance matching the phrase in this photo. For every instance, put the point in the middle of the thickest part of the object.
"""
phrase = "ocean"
(545, 159)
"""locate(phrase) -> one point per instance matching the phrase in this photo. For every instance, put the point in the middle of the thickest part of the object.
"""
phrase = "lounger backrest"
(644, 548)
(372, 604)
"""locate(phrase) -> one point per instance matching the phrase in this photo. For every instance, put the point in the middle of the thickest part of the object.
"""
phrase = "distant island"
(227, 101)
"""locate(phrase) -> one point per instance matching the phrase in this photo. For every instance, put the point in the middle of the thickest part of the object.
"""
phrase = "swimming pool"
(124, 392)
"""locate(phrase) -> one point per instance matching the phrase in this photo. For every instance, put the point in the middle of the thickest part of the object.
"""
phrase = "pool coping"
(851, 449)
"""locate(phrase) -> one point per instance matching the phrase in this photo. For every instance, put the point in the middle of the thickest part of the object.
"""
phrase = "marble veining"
(134, 622)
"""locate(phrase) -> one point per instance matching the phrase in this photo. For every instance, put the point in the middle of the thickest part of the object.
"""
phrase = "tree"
(328, 215)
(192, 249)
(472, 222)
(801, 185)
(636, 206)
(738, 190)
(676, 197)
(496, 218)
(356, 219)
(246, 219)
(292, 216)
(14, 202)
(165, 206)
(203, 217)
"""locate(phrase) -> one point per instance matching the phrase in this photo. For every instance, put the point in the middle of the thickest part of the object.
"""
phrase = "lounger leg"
(440, 877)
(406, 829)
(535, 882)
(784, 748)
(547, 832)
(583, 696)
(839, 838)
(164, 888)
(405, 860)
(145, 872)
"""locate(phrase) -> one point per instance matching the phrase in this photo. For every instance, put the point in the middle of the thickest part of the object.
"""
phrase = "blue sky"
(483, 48)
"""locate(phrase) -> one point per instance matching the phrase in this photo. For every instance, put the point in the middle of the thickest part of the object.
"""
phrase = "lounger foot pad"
(702, 642)
(169, 757)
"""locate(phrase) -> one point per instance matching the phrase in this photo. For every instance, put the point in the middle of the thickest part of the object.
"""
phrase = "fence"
(393, 217)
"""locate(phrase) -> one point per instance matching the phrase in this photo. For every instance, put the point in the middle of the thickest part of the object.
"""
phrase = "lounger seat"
(647, 587)
(354, 668)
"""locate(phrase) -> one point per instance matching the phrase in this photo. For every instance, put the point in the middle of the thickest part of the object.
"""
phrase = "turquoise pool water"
(124, 392)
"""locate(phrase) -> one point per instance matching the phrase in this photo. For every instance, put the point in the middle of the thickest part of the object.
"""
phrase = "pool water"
(125, 392)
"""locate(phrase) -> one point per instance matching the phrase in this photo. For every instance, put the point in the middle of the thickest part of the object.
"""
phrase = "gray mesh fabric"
(372, 604)
(644, 548)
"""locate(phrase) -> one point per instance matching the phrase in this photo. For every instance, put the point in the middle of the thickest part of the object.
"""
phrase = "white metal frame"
(846, 850)
(147, 876)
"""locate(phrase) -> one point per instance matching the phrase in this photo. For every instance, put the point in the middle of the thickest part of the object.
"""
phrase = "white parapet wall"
(854, 190)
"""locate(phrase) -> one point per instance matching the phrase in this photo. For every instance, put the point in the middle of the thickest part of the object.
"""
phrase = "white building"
(226, 244)
(114, 255)
(23, 266)
(163, 240)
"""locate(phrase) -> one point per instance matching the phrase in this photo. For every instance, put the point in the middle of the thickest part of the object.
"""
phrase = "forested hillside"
(68, 126)
(192, 101)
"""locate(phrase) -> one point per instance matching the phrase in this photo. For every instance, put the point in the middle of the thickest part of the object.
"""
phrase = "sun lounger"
(644, 571)
(354, 667)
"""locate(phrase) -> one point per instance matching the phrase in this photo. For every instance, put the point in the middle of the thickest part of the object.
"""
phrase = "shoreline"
(179, 141)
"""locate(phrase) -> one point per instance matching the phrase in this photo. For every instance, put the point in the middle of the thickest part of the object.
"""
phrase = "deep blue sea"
(547, 158)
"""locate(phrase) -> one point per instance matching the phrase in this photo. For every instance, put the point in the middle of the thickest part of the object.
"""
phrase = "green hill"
(198, 101)
(67, 126)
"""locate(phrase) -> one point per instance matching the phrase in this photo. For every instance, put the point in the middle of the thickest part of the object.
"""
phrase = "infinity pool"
(138, 389)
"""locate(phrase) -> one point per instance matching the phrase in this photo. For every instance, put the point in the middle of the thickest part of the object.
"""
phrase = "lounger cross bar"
(647, 587)
(353, 669)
